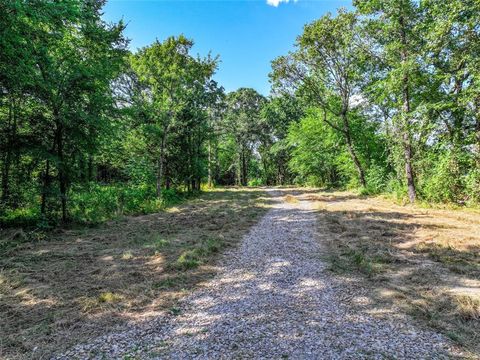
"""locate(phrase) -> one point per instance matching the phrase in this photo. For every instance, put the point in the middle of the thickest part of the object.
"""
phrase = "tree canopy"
(384, 97)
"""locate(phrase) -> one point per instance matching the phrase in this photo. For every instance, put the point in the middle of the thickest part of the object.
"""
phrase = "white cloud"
(275, 3)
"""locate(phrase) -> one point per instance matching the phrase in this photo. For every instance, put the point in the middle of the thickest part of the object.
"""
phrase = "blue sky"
(247, 34)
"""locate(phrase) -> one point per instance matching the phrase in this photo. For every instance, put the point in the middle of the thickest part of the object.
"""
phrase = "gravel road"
(272, 298)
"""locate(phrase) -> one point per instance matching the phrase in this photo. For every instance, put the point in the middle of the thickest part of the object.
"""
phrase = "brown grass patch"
(424, 261)
(72, 285)
(291, 199)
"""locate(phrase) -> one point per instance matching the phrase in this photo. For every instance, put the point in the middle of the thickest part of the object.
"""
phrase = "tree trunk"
(265, 169)
(407, 147)
(408, 167)
(216, 173)
(351, 149)
(47, 180)
(238, 169)
(6, 176)
(46, 186)
(477, 132)
(160, 165)
(12, 133)
(244, 169)
(90, 168)
(210, 182)
(62, 176)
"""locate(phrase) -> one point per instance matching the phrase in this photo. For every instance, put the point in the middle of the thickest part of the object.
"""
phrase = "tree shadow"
(282, 305)
(80, 283)
(410, 265)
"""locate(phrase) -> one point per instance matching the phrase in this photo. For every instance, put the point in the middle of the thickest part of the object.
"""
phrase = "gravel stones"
(271, 299)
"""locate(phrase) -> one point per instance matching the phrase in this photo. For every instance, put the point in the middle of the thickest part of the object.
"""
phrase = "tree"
(77, 67)
(68, 57)
(278, 113)
(326, 68)
(394, 26)
(168, 75)
(242, 122)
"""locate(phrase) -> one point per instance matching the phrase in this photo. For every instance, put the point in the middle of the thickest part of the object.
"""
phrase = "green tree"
(169, 79)
(242, 122)
(394, 25)
(278, 113)
(326, 68)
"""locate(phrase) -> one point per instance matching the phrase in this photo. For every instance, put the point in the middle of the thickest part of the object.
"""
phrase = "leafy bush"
(472, 186)
(255, 182)
(443, 180)
(377, 179)
(99, 203)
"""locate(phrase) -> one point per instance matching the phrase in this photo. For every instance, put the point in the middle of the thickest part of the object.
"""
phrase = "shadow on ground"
(424, 262)
(78, 284)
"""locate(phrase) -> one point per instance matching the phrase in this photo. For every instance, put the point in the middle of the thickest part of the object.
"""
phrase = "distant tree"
(242, 122)
(169, 78)
(278, 113)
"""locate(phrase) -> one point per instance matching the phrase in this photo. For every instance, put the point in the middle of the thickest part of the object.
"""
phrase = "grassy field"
(425, 262)
(62, 287)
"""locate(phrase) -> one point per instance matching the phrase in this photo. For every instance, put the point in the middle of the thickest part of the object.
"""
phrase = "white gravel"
(272, 299)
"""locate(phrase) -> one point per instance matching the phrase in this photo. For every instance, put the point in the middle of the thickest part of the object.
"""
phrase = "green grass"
(94, 204)
(192, 258)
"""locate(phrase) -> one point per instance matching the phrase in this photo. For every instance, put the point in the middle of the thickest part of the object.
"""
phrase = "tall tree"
(394, 25)
(326, 68)
(168, 75)
(77, 66)
(242, 122)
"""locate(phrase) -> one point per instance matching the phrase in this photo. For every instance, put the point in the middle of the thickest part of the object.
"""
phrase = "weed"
(291, 199)
(109, 297)
(192, 258)
(175, 311)
(468, 307)
(189, 259)
(165, 284)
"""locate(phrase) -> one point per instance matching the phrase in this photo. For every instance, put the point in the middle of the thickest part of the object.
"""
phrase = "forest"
(383, 98)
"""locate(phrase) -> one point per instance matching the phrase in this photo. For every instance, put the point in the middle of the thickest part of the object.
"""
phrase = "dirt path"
(272, 298)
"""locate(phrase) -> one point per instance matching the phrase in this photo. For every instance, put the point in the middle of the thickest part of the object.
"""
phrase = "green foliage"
(319, 157)
(315, 156)
(98, 203)
(385, 98)
(377, 178)
(256, 182)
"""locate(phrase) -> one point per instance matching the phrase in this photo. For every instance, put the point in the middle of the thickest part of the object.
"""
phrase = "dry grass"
(71, 285)
(423, 261)
(291, 199)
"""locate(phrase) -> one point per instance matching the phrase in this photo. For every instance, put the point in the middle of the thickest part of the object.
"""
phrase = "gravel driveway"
(272, 298)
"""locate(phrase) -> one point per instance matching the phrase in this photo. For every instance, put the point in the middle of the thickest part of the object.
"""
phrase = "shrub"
(255, 182)
(98, 203)
(377, 179)
(444, 182)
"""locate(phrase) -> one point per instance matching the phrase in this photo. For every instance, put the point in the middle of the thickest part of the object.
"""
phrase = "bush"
(255, 182)
(377, 179)
(99, 203)
(444, 182)
(472, 187)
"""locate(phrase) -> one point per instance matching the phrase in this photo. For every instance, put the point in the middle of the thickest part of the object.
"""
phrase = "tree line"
(395, 84)
(384, 97)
